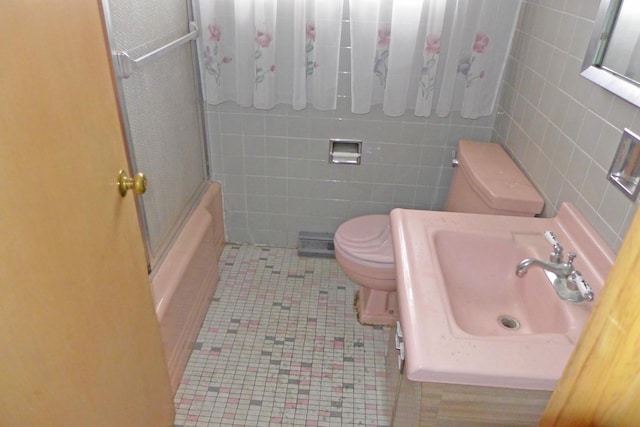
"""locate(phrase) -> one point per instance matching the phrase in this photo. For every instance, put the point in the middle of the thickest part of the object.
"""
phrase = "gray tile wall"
(277, 180)
(562, 129)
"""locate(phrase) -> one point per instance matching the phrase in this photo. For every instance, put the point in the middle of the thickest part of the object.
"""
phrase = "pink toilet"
(486, 181)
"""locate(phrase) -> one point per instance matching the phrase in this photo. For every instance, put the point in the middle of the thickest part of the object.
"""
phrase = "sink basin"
(465, 315)
(484, 295)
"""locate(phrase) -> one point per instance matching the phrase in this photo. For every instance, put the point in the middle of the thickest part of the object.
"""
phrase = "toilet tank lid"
(497, 178)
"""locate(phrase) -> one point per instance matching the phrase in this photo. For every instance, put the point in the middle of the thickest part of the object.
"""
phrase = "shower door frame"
(154, 261)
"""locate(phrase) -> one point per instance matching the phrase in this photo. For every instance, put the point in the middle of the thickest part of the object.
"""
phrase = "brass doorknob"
(138, 183)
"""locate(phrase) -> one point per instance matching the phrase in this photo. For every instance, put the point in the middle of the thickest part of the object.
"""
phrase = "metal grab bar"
(125, 66)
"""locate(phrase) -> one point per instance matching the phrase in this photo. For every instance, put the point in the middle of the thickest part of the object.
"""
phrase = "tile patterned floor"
(280, 345)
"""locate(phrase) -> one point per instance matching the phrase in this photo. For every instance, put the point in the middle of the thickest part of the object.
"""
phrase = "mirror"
(613, 55)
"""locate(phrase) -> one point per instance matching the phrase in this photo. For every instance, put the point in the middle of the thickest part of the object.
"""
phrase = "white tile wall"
(562, 129)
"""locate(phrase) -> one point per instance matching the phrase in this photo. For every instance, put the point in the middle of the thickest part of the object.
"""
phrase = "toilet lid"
(367, 238)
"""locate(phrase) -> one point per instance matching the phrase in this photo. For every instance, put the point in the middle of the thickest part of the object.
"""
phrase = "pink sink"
(484, 295)
(467, 318)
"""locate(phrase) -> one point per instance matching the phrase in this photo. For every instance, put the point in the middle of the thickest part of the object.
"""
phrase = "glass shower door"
(160, 96)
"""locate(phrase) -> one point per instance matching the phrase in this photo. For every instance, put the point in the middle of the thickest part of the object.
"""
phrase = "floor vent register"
(313, 244)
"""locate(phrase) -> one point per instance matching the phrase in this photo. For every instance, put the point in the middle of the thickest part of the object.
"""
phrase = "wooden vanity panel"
(407, 409)
(463, 405)
(403, 402)
(454, 405)
(392, 376)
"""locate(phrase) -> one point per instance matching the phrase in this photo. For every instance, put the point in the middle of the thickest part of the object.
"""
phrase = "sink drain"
(509, 322)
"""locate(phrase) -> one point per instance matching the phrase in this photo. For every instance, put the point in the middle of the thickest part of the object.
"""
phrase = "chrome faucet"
(565, 279)
(560, 269)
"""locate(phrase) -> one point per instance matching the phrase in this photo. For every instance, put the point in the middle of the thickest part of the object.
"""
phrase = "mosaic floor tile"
(281, 346)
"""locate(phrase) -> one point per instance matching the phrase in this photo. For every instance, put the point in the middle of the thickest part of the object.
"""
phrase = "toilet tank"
(487, 181)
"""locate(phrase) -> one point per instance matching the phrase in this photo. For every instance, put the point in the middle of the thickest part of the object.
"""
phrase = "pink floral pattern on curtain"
(262, 41)
(430, 64)
(311, 40)
(465, 67)
(252, 56)
(211, 61)
(434, 56)
(381, 64)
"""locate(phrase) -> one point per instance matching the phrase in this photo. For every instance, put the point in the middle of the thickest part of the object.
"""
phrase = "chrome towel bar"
(125, 66)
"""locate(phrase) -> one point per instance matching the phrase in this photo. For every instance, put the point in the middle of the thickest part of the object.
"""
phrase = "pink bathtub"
(184, 284)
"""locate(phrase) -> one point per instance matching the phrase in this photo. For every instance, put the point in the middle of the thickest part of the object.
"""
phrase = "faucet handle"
(583, 287)
(551, 238)
(556, 255)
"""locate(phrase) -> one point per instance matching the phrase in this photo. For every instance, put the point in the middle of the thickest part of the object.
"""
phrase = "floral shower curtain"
(426, 55)
(430, 55)
(263, 52)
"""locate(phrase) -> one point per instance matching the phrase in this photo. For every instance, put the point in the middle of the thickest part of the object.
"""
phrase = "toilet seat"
(366, 240)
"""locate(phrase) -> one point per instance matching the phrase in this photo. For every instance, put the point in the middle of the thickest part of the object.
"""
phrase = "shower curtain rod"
(125, 65)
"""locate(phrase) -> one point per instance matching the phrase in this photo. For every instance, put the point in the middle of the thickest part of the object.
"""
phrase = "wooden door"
(601, 384)
(79, 341)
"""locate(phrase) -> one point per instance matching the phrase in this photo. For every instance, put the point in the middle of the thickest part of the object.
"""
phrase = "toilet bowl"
(486, 181)
(363, 249)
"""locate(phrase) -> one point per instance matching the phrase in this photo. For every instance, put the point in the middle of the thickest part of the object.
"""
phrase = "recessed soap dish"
(625, 169)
